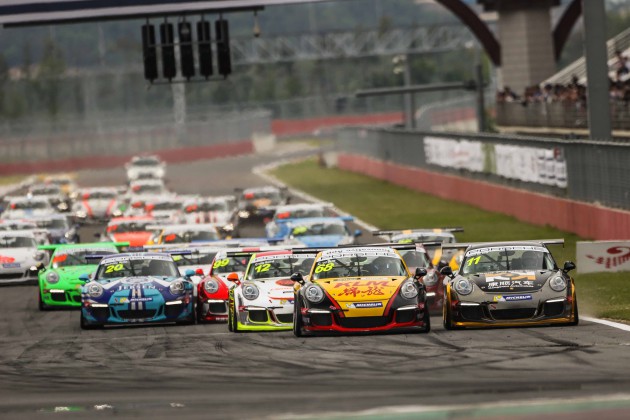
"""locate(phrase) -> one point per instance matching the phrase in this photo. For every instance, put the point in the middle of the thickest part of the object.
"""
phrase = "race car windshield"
(494, 260)
(167, 206)
(213, 207)
(424, 238)
(414, 258)
(319, 229)
(77, 258)
(27, 205)
(194, 258)
(184, 237)
(17, 242)
(299, 214)
(128, 227)
(45, 191)
(358, 266)
(53, 224)
(272, 196)
(229, 265)
(101, 195)
(281, 267)
(146, 162)
(148, 189)
(60, 181)
(135, 268)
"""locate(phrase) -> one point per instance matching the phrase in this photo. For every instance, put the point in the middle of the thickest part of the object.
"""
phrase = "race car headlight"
(177, 287)
(211, 286)
(243, 214)
(314, 294)
(52, 277)
(95, 290)
(557, 284)
(39, 255)
(81, 214)
(250, 292)
(463, 287)
(430, 279)
(408, 290)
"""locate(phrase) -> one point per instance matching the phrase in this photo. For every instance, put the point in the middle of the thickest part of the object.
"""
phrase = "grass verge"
(390, 206)
(11, 179)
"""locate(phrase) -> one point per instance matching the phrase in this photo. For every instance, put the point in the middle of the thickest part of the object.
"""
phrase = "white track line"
(262, 170)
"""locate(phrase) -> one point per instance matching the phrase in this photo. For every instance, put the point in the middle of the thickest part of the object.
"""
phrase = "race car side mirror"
(84, 277)
(37, 267)
(358, 232)
(420, 272)
(447, 271)
(233, 277)
(568, 266)
(189, 273)
(297, 277)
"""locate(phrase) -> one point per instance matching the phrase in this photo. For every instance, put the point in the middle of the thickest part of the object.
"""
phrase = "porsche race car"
(145, 167)
(134, 288)
(319, 232)
(359, 289)
(19, 256)
(504, 284)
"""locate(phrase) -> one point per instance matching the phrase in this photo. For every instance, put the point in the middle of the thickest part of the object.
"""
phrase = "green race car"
(59, 284)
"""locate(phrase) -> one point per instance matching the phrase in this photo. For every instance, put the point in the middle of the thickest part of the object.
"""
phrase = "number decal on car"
(114, 267)
(473, 261)
(324, 267)
(221, 263)
(262, 268)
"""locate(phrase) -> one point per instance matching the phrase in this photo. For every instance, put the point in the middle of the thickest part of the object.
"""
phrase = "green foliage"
(390, 206)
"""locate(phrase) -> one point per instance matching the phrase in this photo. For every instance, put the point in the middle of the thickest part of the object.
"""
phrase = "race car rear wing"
(380, 244)
(417, 230)
(52, 247)
(464, 245)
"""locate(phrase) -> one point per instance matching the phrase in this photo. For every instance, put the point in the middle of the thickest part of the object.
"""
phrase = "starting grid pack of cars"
(165, 258)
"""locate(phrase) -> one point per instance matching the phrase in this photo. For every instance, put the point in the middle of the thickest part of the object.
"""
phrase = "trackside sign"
(603, 256)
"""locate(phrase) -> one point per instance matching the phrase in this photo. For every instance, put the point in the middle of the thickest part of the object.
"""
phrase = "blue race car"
(135, 288)
(317, 232)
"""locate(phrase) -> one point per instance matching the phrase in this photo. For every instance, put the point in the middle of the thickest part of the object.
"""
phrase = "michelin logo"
(365, 305)
(512, 298)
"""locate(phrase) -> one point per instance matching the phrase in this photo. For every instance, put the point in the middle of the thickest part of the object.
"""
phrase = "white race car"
(19, 256)
(294, 211)
(219, 210)
(145, 167)
(52, 193)
(25, 208)
(96, 205)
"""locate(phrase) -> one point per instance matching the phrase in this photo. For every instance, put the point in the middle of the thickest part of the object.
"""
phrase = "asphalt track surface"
(50, 368)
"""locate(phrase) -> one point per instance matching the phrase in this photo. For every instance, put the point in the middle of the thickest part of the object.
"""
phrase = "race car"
(182, 234)
(439, 256)
(65, 182)
(52, 193)
(258, 204)
(134, 288)
(320, 232)
(359, 289)
(213, 289)
(96, 205)
(263, 298)
(60, 230)
(168, 208)
(42, 236)
(27, 207)
(145, 189)
(145, 167)
(220, 210)
(502, 284)
(59, 283)
(129, 229)
(277, 226)
(19, 256)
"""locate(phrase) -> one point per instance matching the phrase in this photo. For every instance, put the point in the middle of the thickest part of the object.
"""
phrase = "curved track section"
(48, 364)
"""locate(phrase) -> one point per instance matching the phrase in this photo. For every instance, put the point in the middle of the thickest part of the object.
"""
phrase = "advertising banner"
(603, 256)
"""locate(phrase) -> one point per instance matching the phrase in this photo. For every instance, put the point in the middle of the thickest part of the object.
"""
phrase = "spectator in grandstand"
(621, 65)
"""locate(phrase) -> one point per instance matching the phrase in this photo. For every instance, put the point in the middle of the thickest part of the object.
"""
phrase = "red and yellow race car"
(360, 289)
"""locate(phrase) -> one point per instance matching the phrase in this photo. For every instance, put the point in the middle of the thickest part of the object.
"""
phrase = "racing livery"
(263, 299)
(277, 227)
(136, 288)
(320, 232)
(96, 205)
(130, 229)
(19, 256)
(509, 284)
(359, 289)
(59, 283)
(145, 167)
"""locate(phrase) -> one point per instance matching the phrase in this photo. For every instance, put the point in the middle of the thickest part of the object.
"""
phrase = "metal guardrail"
(594, 172)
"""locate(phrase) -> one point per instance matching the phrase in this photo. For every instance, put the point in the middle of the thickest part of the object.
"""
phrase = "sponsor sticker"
(11, 265)
(511, 284)
(134, 299)
(480, 251)
(512, 298)
(364, 305)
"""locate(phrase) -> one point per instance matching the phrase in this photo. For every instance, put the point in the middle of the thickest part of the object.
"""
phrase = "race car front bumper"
(19, 273)
(52, 296)
(212, 310)
(258, 318)
(178, 310)
(408, 317)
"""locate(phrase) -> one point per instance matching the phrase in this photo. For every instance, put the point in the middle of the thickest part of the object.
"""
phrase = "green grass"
(11, 179)
(389, 206)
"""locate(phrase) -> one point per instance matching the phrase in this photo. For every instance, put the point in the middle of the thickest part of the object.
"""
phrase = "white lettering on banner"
(603, 256)
(459, 154)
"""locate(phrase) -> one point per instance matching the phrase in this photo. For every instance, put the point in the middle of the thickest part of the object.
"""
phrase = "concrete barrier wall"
(587, 220)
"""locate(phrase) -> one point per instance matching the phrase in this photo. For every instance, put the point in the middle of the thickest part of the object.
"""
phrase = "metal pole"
(481, 107)
(599, 121)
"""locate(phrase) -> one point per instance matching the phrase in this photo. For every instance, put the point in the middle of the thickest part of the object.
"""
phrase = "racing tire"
(576, 317)
(230, 316)
(42, 305)
(233, 318)
(426, 320)
(447, 317)
(297, 318)
(191, 320)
